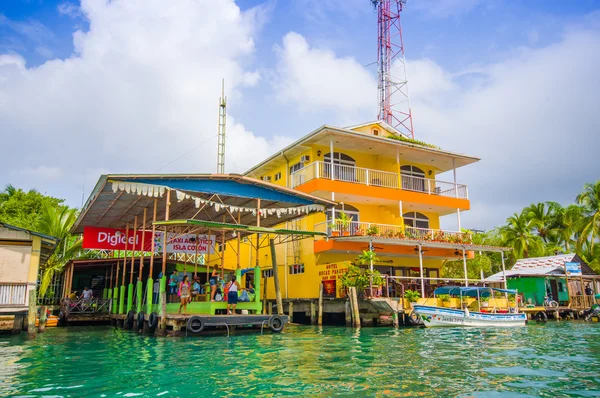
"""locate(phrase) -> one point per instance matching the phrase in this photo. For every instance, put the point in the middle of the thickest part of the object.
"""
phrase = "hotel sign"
(573, 269)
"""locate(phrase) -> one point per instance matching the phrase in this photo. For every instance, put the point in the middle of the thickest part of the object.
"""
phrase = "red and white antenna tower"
(394, 106)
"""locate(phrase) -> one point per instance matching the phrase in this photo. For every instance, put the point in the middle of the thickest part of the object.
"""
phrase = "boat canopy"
(471, 291)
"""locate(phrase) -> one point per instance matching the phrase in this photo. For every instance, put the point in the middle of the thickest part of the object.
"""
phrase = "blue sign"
(573, 269)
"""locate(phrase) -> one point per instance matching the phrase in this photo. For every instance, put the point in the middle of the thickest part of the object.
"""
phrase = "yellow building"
(386, 186)
(22, 252)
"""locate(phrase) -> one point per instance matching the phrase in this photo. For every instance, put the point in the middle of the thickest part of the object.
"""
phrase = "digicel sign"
(114, 239)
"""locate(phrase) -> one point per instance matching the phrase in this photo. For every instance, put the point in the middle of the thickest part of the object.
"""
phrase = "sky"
(133, 86)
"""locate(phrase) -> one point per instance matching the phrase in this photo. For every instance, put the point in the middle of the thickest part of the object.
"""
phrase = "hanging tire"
(195, 324)
(414, 318)
(152, 320)
(541, 317)
(276, 323)
(128, 324)
(140, 320)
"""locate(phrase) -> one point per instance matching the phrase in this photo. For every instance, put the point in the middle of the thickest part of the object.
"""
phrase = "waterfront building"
(22, 253)
(389, 198)
(563, 278)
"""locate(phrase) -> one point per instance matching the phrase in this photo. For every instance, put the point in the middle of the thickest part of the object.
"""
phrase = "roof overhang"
(117, 199)
(345, 139)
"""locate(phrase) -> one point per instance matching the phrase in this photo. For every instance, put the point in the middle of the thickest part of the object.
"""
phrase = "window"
(294, 168)
(278, 176)
(267, 178)
(561, 287)
(413, 178)
(375, 132)
(268, 273)
(296, 269)
(416, 220)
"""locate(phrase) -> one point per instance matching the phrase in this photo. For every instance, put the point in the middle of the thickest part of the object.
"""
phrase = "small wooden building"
(540, 277)
(22, 253)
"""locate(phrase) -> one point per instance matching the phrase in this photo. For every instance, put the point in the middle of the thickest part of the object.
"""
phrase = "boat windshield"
(470, 291)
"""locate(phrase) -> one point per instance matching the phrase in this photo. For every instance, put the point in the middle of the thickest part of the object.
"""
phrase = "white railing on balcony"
(13, 294)
(377, 178)
(357, 228)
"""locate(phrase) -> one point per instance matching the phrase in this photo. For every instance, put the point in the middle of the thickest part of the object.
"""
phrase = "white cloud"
(140, 91)
(69, 9)
(532, 118)
(315, 80)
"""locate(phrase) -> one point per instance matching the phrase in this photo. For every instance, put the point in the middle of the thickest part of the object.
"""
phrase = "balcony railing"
(357, 228)
(377, 178)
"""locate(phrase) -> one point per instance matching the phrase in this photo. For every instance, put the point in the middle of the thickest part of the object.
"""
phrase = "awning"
(117, 199)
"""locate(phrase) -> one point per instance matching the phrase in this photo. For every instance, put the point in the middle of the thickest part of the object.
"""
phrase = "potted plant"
(359, 231)
(439, 236)
(412, 296)
(334, 230)
(373, 230)
(485, 302)
(445, 298)
(344, 220)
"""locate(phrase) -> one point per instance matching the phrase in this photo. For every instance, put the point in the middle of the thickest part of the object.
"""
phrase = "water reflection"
(552, 360)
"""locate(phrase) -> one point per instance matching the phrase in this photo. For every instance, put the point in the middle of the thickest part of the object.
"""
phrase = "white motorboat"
(434, 316)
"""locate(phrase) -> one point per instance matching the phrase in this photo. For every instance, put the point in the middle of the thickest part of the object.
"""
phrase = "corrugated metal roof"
(543, 262)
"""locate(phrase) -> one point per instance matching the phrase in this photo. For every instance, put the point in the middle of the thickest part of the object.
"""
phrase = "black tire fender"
(152, 320)
(140, 320)
(414, 318)
(128, 324)
(195, 324)
(276, 323)
(541, 316)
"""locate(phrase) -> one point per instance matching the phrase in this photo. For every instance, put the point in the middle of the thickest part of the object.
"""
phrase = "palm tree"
(57, 221)
(518, 234)
(543, 217)
(589, 224)
(567, 222)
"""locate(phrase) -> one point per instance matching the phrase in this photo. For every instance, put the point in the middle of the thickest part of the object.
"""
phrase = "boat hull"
(447, 317)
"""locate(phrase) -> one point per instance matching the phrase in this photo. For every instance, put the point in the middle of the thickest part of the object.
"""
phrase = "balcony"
(378, 178)
(357, 228)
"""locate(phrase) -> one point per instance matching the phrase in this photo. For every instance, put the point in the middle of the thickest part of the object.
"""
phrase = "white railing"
(13, 294)
(357, 228)
(378, 178)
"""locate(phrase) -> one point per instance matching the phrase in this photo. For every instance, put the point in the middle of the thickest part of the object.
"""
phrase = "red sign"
(114, 239)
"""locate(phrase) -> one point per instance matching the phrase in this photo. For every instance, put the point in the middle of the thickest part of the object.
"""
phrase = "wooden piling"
(270, 312)
(162, 329)
(356, 311)
(276, 277)
(313, 313)
(320, 319)
(42, 320)
(348, 313)
(31, 312)
(291, 311)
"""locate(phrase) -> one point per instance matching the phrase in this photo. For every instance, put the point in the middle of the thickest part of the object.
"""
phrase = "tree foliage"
(23, 209)
(540, 229)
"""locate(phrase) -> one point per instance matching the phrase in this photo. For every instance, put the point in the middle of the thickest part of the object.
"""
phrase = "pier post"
(291, 311)
(395, 319)
(129, 297)
(320, 319)
(348, 313)
(313, 313)
(149, 296)
(115, 307)
(162, 327)
(122, 300)
(270, 311)
(276, 278)
(31, 312)
(140, 292)
(356, 310)
(43, 318)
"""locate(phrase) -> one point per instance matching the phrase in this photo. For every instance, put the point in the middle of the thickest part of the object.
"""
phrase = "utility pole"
(222, 128)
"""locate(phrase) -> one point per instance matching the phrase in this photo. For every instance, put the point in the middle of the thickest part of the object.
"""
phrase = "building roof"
(117, 199)
(49, 243)
(346, 138)
(542, 266)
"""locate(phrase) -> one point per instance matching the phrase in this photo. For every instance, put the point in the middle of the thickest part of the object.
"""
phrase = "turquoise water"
(557, 359)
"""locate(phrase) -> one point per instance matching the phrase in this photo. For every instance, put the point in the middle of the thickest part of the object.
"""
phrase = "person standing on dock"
(184, 294)
(213, 284)
(232, 295)
(173, 281)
